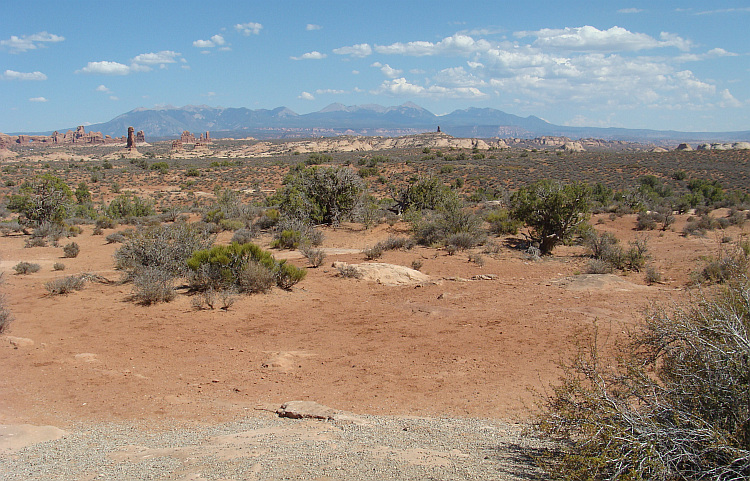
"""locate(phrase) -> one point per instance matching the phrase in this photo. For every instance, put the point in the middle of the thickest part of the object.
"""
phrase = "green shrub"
(501, 222)
(288, 275)
(128, 205)
(162, 167)
(58, 266)
(287, 239)
(446, 225)
(320, 195)
(425, 193)
(294, 233)
(221, 267)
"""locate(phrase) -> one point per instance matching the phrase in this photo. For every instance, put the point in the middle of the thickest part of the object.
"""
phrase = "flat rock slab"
(14, 437)
(386, 274)
(313, 410)
(19, 341)
(305, 410)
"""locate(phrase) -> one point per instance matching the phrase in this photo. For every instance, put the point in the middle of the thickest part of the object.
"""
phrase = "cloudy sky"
(680, 65)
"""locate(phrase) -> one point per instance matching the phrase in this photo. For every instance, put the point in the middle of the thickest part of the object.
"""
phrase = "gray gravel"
(270, 448)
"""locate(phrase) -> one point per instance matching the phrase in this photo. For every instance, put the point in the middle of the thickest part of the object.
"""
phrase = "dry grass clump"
(5, 315)
(65, 285)
(24, 267)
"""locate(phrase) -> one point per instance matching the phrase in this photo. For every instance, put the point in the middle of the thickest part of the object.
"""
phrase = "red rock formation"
(187, 137)
(140, 137)
(131, 138)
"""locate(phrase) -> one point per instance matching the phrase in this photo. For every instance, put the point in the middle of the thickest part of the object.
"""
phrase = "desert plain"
(480, 337)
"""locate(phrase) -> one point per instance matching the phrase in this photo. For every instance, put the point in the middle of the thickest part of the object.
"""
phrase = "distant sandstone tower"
(131, 138)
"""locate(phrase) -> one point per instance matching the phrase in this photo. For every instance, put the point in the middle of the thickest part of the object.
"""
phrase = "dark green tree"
(44, 199)
(552, 211)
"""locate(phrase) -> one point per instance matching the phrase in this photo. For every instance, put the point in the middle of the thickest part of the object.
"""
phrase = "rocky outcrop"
(77, 136)
(727, 146)
(385, 274)
(365, 144)
(140, 137)
(572, 147)
(684, 147)
(187, 137)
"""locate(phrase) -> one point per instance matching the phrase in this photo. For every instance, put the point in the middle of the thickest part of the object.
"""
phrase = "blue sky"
(680, 65)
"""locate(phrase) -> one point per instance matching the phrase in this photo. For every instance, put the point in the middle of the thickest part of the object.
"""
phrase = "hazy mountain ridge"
(338, 119)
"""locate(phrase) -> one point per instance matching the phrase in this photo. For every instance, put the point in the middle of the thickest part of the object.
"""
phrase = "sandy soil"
(456, 347)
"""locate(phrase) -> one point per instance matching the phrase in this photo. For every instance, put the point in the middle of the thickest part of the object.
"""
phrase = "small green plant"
(58, 266)
(416, 264)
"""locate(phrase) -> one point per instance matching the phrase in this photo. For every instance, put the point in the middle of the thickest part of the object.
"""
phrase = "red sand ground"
(457, 348)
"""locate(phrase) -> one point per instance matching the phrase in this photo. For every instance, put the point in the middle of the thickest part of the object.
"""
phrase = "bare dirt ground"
(453, 348)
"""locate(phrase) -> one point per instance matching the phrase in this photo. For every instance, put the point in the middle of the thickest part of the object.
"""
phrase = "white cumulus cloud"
(102, 88)
(312, 26)
(105, 68)
(314, 55)
(249, 28)
(165, 56)
(306, 96)
(13, 75)
(454, 45)
(25, 43)
(38, 99)
(387, 70)
(401, 87)
(591, 39)
(360, 50)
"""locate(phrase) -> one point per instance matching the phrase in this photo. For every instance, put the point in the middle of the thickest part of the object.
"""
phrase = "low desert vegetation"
(674, 403)
(243, 267)
(5, 315)
(24, 267)
(65, 285)
(320, 195)
(609, 255)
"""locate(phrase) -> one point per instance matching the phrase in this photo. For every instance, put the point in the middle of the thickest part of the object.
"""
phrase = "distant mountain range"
(339, 119)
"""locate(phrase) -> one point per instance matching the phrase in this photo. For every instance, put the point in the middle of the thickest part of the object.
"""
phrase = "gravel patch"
(271, 448)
